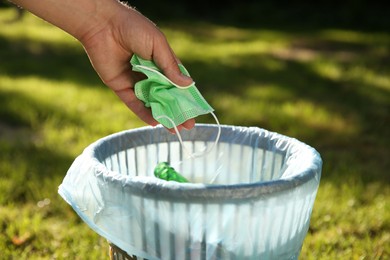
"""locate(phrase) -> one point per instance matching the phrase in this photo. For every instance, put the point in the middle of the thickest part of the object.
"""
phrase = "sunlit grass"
(347, 36)
(352, 226)
(63, 129)
(32, 234)
(328, 88)
(211, 43)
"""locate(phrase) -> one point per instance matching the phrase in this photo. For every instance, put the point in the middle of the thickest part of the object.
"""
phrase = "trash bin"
(250, 197)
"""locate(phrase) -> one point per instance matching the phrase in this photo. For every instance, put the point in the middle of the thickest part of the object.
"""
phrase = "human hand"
(111, 46)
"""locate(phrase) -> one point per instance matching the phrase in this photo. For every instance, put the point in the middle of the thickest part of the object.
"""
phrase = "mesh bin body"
(251, 197)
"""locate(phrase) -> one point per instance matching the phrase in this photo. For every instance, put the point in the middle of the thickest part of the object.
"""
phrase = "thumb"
(168, 63)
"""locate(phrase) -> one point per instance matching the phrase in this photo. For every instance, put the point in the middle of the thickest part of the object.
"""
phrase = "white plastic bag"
(258, 205)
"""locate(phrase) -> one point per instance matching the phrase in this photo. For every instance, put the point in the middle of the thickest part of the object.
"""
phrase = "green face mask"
(170, 104)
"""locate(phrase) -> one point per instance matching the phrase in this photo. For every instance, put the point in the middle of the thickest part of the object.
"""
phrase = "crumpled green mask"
(165, 98)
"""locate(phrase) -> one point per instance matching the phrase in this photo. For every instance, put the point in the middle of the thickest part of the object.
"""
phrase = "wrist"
(98, 16)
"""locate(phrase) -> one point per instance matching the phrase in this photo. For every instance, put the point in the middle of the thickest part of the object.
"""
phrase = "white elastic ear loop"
(162, 75)
(185, 149)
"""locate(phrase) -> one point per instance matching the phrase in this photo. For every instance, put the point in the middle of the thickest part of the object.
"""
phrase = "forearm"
(77, 17)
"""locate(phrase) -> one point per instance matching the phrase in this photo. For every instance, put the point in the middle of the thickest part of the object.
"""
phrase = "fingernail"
(187, 79)
(185, 76)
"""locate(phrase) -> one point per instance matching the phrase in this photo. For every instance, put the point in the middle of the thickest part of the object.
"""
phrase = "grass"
(327, 87)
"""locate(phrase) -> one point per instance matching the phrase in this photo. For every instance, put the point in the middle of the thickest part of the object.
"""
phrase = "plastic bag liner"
(258, 206)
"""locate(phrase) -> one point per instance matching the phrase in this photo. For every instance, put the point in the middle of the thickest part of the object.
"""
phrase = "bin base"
(118, 254)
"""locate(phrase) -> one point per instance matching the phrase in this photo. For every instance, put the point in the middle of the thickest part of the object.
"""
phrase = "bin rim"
(152, 187)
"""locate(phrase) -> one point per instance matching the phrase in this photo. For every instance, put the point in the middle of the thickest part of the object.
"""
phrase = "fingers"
(166, 60)
(128, 96)
(137, 106)
(123, 86)
(150, 43)
(187, 125)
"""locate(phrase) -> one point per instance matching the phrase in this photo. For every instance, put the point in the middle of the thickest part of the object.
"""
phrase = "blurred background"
(317, 71)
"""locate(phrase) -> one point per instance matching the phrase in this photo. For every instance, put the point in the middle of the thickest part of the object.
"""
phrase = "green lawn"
(327, 87)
